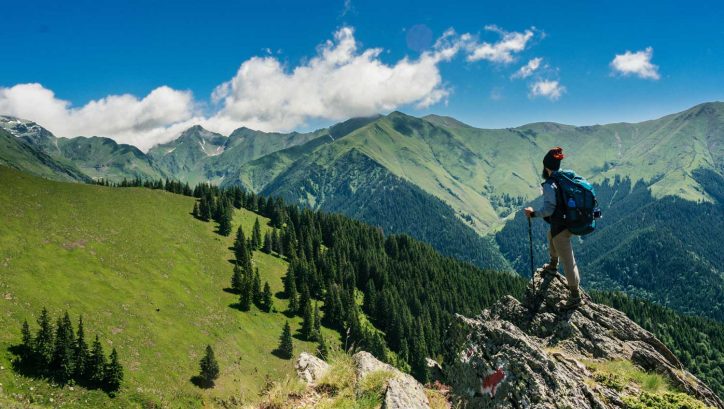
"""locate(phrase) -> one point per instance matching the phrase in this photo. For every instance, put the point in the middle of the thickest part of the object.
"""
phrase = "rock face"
(530, 354)
(310, 368)
(403, 391)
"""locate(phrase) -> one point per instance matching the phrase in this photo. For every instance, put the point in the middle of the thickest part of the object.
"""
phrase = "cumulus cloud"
(528, 69)
(550, 89)
(125, 118)
(636, 63)
(502, 51)
(340, 81)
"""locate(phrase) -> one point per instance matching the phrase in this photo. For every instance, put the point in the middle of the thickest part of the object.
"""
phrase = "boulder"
(310, 368)
(403, 391)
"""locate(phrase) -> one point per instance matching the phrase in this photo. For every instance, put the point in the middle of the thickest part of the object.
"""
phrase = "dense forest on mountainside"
(644, 246)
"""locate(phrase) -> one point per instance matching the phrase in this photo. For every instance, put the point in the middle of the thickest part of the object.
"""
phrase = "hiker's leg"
(562, 244)
(552, 251)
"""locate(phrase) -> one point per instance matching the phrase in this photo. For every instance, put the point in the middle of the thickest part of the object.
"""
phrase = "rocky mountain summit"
(535, 354)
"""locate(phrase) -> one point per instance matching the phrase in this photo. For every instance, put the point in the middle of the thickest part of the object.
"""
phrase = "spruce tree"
(304, 301)
(267, 300)
(209, 368)
(267, 243)
(64, 349)
(245, 296)
(275, 241)
(242, 252)
(113, 373)
(322, 349)
(290, 281)
(81, 354)
(237, 279)
(293, 307)
(307, 323)
(95, 369)
(225, 221)
(205, 208)
(44, 341)
(195, 212)
(256, 235)
(286, 347)
(256, 291)
(27, 343)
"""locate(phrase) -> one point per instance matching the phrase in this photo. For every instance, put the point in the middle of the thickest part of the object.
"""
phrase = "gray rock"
(526, 355)
(403, 391)
(310, 368)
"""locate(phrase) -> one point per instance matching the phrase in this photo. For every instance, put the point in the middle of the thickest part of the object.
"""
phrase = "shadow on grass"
(201, 382)
(231, 291)
(281, 355)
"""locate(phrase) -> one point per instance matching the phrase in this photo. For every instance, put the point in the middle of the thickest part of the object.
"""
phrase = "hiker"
(559, 237)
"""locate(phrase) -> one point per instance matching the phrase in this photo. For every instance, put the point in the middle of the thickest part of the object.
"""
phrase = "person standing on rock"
(559, 237)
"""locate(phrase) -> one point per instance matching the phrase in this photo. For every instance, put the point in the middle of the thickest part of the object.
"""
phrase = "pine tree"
(81, 354)
(317, 330)
(27, 345)
(245, 296)
(44, 341)
(275, 241)
(209, 368)
(195, 212)
(267, 300)
(63, 351)
(113, 373)
(256, 292)
(256, 235)
(286, 347)
(225, 221)
(304, 301)
(237, 279)
(307, 323)
(293, 307)
(267, 243)
(95, 369)
(243, 258)
(419, 363)
(205, 208)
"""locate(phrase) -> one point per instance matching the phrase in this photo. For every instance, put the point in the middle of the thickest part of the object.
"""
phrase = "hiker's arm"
(549, 202)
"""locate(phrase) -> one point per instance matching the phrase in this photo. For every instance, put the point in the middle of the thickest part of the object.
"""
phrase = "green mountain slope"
(96, 157)
(103, 158)
(17, 154)
(147, 278)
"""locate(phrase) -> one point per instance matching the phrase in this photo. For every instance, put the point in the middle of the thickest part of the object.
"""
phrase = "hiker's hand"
(528, 211)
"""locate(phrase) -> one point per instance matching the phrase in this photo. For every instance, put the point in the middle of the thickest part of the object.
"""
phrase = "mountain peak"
(555, 355)
(445, 121)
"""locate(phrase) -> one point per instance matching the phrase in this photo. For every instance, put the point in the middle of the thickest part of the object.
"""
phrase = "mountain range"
(459, 187)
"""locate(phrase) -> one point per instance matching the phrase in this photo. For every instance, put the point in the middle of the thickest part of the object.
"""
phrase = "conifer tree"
(293, 302)
(307, 323)
(290, 280)
(256, 291)
(44, 341)
(267, 300)
(237, 278)
(81, 354)
(245, 297)
(205, 208)
(95, 369)
(256, 235)
(242, 252)
(64, 348)
(195, 212)
(275, 241)
(225, 221)
(286, 347)
(419, 353)
(27, 345)
(113, 373)
(209, 368)
(267, 243)
(304, 302)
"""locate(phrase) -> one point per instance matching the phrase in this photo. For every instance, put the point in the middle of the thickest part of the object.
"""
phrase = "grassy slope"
(117, 255)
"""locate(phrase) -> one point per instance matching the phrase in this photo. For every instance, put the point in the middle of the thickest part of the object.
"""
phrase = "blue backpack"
(579, 203)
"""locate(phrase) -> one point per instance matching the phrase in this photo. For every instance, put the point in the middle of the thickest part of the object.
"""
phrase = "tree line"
(63, 354)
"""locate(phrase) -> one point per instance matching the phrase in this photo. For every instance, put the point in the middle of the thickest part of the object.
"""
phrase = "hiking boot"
(574, 300)
(550, 267)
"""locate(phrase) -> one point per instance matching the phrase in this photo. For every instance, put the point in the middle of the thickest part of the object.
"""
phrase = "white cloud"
(125, 118)
(550, 89)
(347, 7)
(503, 51)
(528, 69)
(341, 81)
(636, 63)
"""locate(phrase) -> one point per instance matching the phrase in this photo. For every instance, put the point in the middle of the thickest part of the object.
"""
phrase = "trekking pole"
(530, 238)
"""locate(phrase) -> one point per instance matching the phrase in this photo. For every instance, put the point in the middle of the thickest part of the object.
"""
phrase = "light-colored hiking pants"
(561, 249)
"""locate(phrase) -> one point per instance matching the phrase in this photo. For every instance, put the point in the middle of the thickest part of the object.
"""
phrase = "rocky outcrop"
(532, 354)
(403, 391)
(310, 368)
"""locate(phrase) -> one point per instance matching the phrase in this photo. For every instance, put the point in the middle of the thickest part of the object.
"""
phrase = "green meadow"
(148, 278)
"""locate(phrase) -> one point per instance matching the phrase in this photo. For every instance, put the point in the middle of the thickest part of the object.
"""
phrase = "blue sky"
(80, 52)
